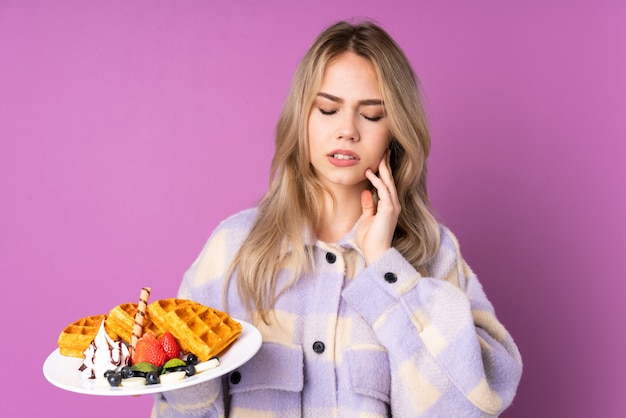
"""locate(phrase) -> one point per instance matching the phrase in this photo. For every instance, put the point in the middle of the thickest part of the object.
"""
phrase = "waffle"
(77, 336)
(121, 319)
(201, 330)
(158, 310)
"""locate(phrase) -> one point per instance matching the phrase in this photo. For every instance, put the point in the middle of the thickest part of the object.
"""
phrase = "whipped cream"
(103, 354)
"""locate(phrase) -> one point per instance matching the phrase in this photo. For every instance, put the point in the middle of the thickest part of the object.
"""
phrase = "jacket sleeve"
(449, 354)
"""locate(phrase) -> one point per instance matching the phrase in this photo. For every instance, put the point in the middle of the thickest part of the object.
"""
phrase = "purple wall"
(128, 129)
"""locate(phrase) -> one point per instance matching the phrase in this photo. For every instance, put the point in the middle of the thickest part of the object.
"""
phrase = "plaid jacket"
(355, 341)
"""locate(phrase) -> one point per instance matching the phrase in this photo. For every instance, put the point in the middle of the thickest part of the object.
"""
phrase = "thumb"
(367, 203)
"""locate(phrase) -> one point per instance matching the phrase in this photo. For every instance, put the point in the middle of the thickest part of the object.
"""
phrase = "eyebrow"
(365, 102)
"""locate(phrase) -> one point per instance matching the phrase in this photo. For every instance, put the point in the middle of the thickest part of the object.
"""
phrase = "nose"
(348, 128)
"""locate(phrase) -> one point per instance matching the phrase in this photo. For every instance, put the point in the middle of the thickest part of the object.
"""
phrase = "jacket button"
(391, 277)
(331, 258)
(318, 347)
(235, 378)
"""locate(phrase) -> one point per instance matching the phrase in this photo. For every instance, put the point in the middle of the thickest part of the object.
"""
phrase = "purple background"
(128, 129)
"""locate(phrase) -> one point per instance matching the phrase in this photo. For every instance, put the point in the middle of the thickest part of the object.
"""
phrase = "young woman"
(364, 302)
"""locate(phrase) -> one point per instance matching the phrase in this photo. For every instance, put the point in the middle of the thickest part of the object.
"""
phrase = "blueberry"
(152, 378)
(191, 359)
(108, 373)
(115, 379)
(126, 372)
(190, 370)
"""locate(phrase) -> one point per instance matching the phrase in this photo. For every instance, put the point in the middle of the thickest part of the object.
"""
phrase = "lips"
(343, 155)
(343, 158)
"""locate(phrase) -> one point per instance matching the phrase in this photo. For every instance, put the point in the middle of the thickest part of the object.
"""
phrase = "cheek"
(315, 129)
(385, 143)
(383, 146)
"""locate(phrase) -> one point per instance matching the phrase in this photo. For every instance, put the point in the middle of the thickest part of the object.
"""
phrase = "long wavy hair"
(291, 208)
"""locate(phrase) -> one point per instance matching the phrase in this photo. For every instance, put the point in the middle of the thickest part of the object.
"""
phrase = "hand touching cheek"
(377, 224)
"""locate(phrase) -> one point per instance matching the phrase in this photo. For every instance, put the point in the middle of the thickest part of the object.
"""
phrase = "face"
(348, 129)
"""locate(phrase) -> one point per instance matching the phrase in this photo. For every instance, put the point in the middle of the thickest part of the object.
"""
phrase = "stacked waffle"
(198, 329)
(77, 336)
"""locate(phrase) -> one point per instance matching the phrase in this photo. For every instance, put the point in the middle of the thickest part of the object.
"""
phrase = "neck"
(339, 216)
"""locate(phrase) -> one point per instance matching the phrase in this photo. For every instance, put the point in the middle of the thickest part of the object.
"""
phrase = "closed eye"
(373, 118)
(327, 112)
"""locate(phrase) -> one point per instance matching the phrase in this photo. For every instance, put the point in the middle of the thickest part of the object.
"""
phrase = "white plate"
(62, 371)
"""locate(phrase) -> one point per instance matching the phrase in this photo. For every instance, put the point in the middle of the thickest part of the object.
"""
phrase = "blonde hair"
(290, 209)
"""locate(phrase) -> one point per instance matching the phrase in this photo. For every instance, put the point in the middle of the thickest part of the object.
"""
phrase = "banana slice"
(206, 365)
(171, 377)
(132, 382)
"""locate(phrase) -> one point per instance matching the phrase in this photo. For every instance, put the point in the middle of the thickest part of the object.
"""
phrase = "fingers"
(379, 220)
(367, 203)
(387, 177)
(384, 183)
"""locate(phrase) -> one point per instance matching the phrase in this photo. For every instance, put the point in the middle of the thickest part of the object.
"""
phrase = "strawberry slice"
(149, 349)
(170, 345)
